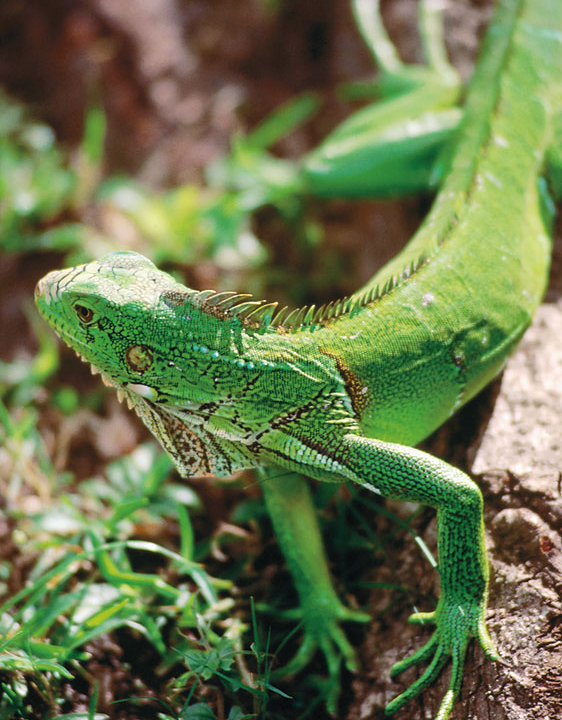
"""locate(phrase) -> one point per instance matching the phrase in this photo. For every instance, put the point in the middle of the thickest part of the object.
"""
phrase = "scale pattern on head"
(105, 311)
(154, 340)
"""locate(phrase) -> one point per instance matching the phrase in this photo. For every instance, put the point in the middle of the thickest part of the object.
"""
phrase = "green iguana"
(342, 392)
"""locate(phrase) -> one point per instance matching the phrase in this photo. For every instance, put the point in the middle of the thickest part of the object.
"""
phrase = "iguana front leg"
(405, 473)
(295, 523)
(409, 474)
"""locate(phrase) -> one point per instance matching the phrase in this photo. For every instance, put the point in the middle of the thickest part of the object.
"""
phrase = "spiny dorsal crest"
(263, 314)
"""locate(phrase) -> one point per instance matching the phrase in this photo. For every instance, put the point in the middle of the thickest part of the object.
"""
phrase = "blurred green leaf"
(282, 121)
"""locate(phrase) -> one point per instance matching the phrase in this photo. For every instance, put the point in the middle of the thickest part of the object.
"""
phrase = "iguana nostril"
(40, 288)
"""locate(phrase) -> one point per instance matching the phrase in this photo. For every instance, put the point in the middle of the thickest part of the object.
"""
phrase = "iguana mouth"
(129, 392)
(123, 393)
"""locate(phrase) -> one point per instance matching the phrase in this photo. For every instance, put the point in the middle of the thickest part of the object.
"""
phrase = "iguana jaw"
(131, 393)
(125, 393)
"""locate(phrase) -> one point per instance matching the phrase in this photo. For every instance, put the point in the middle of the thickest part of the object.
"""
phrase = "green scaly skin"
(341, 393)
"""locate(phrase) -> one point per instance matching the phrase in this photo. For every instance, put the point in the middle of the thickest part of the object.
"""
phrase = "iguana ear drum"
(139, 358)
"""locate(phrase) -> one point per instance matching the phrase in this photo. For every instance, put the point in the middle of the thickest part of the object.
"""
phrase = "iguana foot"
(455, 625)
(322, 632)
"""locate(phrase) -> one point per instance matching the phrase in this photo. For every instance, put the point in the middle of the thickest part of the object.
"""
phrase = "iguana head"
(201, 371)
(140, 328)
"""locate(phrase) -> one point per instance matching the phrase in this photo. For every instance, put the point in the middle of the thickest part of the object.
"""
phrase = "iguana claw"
(455, 625)
(323, 632)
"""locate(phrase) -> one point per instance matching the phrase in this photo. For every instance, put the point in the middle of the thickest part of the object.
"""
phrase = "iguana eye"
(85, 314)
